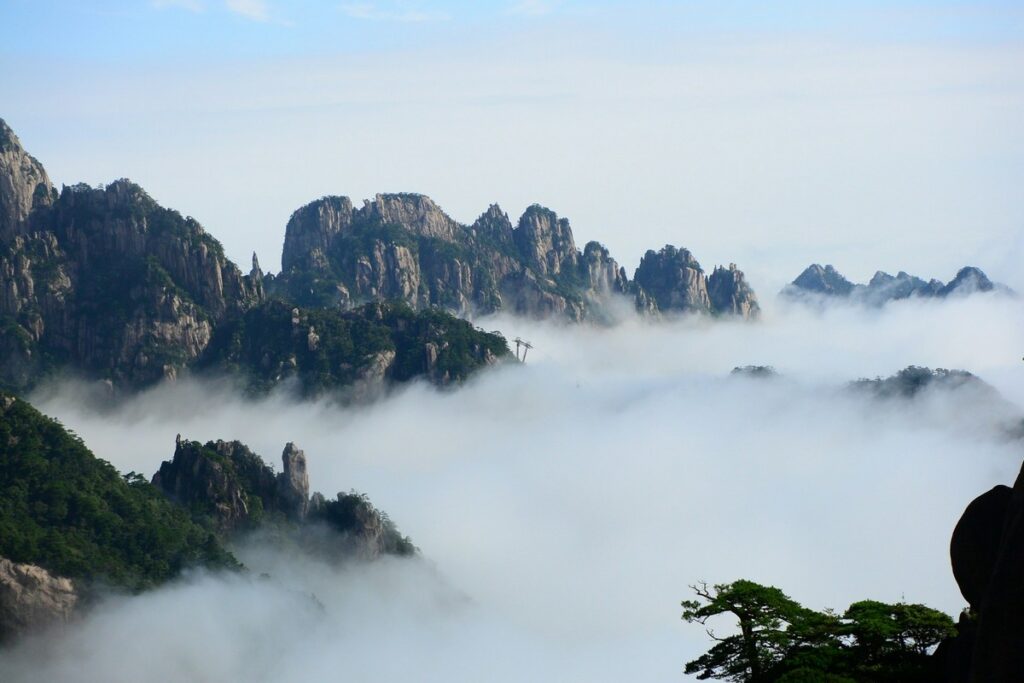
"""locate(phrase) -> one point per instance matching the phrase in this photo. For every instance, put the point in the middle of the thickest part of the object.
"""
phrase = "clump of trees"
(781, 641)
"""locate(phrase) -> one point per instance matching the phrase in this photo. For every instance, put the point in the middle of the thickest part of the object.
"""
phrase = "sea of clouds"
(563, 506)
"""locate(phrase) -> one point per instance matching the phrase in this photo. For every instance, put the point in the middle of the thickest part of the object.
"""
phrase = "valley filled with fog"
(562, 507)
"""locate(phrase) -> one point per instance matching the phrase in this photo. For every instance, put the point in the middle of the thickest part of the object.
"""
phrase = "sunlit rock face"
(106, 283)
(32, 598)
(404, 247)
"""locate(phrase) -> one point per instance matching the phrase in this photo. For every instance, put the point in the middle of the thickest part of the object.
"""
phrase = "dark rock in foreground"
(987, 554)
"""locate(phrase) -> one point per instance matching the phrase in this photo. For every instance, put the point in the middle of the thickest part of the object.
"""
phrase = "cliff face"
(227, 482)
(32, 598)
(24, 185)
(671, 280)
(403, 247)
(111, 285)
(231, 485)
(104, 279)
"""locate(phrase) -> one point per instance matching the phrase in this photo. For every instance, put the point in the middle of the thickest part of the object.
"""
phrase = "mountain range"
(106, 284)
(818, 281)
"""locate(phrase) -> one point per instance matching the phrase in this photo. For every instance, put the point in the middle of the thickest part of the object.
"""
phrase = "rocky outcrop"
(403, 247)
(32, 598)
(730, 294)
(293, 483)
(819, 283)
(111, 285)
(114, 284)
(361, 351)
(968, 280)
(232, 486)
(987, 554)
(827, 281)
(24, 185)
(672, 280)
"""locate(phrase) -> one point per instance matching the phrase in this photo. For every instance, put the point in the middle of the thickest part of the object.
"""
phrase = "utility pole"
(525, 346)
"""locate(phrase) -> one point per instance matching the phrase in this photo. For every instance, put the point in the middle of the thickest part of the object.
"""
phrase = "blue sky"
(197, 29)
(869, 134)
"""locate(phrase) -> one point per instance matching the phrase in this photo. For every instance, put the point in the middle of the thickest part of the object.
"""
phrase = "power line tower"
(525, 346)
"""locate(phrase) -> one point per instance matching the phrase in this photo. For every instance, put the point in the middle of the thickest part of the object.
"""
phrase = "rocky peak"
(312, 228)
(293, 482)
(414, 212)
(210, 479)
(24, 184)
(546, 241)
(968, 280)
(825, 280)
(671, 280)
(494, 226)
(604, 275)
(730, 294)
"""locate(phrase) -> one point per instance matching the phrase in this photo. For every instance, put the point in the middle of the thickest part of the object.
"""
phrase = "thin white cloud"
(256, 10)
(532, 8)
(373, 12)
(190, 5)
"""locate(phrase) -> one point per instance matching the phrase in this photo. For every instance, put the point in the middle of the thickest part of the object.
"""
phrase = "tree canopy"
(779, 640)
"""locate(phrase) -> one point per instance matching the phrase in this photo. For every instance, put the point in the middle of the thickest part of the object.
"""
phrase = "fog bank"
(563, 506)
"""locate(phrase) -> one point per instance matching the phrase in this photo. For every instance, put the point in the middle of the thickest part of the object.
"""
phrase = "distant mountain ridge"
(826, 281)
(404, 247)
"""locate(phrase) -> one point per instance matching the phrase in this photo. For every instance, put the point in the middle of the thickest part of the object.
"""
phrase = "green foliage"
(273, 343)
(64, 509)
(780, 640)
(352, 513)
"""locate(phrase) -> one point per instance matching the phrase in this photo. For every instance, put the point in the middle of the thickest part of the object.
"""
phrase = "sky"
(870, 135)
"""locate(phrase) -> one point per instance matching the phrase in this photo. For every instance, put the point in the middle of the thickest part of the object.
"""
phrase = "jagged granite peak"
(221, 479)
(604, 274)
(239, 492)
(730, 294)
(883, 287)
(671, 280)
(546, 241)
(968, 280)
(823, 280)
(403, 247)
(24, 184)
(416, 212)
(311, 230)
(293, 482)
(494, 226)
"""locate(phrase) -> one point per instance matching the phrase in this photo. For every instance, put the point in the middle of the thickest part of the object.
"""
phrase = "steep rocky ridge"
(404, 247)
(107, 284)
(24, 185)
(318, 350)
(228, 483)
(72, 527)
(819, 283)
